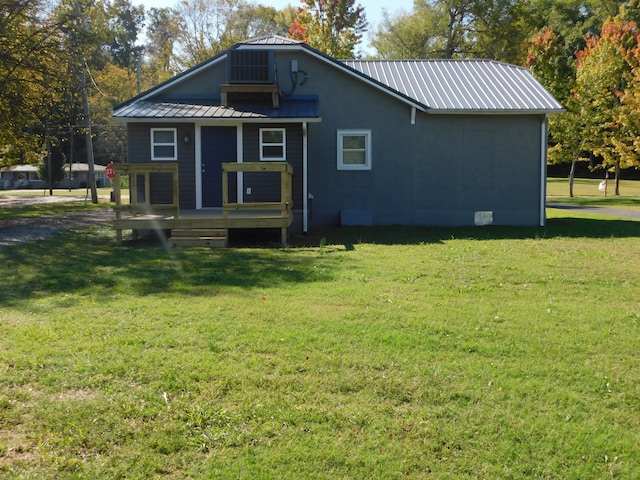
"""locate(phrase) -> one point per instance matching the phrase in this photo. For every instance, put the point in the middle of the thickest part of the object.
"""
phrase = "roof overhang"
(292, 110)
(438, 111)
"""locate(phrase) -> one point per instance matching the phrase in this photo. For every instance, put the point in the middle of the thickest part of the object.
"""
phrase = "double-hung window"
(164, 144)
(354, 149)
(273, 144)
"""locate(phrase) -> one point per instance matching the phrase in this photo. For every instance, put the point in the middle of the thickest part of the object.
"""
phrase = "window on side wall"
(354, 149)
(273, 143)
(164, 144)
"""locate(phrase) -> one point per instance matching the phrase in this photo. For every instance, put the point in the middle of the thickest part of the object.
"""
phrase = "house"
(76, 175)
(20, 176)
(409, 142)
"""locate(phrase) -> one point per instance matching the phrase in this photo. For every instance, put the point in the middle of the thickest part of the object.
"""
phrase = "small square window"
(164, 144)
(273, 144)
(354, 150)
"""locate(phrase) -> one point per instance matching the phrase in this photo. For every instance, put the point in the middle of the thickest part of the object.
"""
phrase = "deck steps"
(199, 237)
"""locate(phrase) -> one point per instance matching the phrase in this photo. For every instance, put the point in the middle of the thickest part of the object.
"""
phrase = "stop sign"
(109, 171)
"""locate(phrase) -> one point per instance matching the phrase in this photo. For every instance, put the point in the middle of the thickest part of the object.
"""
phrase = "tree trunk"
(571, 176)
(617, 177)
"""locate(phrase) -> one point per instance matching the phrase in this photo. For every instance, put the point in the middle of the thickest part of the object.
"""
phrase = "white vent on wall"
(251, 66)
(483, 218)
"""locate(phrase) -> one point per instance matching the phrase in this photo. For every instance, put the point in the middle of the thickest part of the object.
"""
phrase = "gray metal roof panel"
(188, 109)
(461, 85)
(271, 40)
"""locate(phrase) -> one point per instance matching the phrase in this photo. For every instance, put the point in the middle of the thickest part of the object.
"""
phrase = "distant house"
(76, 175)
(20, 176)
(410, 142)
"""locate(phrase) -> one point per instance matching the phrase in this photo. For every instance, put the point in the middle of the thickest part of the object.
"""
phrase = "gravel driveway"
(21, 230)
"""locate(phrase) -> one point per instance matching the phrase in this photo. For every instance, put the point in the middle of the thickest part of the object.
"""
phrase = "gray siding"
(266, 187)
(439, 171)
(140, 152)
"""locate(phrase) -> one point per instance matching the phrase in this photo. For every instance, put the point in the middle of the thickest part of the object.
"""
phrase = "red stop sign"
(109, 171)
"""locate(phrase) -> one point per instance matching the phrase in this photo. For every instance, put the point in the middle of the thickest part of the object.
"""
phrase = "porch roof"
(291, 109)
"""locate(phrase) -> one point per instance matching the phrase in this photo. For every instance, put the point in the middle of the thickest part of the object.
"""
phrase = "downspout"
(305, 188)
(543, 170)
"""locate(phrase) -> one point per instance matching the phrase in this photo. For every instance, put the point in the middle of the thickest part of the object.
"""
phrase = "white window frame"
(264, 158)
(173, 144)
(367, 150)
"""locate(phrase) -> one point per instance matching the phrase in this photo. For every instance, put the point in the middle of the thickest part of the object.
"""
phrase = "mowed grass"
(388, 353)
(586, 192)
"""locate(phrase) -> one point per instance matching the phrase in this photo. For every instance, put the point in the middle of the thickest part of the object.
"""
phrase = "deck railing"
(136, 205)
(285, 204)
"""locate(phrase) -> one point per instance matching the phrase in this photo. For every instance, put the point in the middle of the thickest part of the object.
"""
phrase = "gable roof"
(433, 86)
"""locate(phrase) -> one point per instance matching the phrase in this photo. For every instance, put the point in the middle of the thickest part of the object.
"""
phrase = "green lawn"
(586, 192)
(368, 353)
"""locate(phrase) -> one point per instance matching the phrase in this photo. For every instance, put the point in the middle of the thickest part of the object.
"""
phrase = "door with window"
(218, 146)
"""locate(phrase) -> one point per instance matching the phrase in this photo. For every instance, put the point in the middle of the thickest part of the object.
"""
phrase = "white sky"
(372, 8)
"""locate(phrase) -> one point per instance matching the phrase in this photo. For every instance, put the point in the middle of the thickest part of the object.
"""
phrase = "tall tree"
(211, 26)
(163, 31)
(548, 61)
(30, 81)
(334, 27)
(125, 26)
(603, 76)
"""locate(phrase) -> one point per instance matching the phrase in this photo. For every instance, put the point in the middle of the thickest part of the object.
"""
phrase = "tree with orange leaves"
(334, 27)
(605, 85)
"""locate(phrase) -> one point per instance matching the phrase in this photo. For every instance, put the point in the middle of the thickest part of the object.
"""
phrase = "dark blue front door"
(218, 145)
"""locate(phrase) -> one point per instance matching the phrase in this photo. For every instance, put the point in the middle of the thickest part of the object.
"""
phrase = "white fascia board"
(458, 111)
(182, 76)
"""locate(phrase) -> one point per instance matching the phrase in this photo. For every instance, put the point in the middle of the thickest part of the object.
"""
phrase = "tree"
(163, 32)
(211, 26)
(603, 77)
(547, 59)
(334, 27)
(125, 22)
(29, 79)
(454, 29)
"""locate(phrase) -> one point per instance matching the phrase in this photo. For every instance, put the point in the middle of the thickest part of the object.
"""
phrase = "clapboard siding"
(265, 187)
(140, 152)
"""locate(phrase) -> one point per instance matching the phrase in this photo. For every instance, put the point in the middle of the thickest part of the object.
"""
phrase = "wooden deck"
(206, 227)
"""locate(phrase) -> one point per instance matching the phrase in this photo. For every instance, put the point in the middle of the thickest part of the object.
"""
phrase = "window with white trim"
(164, 144)
(273, 144)
(354, 149)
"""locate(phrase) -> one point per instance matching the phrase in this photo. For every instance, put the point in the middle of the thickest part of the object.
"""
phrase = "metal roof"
(434, 86)
(292, 108)
(271, 40)
(462, 86)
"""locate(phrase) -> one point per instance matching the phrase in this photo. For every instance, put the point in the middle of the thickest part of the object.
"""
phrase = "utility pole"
(85, 97)
(89, 140)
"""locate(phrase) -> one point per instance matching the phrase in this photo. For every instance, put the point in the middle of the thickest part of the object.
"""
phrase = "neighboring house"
(20, 176)
(79, 176)
(410, 142)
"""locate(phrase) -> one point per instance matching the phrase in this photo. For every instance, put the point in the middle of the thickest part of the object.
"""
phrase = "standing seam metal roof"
(461, 85)
(437, 86)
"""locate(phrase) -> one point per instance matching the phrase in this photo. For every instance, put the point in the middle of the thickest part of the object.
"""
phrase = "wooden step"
(213, 242)
(199, 237)
(199, 232)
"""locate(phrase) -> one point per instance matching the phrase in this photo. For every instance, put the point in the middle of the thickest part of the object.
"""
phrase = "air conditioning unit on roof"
(251, 66)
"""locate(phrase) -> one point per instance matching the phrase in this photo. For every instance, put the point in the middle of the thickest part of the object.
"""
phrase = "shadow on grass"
(568, 227)
(87, 261)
